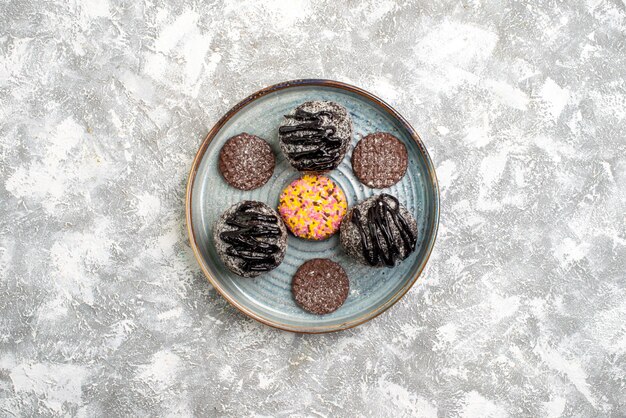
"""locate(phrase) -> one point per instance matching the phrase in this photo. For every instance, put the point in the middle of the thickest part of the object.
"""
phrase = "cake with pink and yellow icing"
(312, 207)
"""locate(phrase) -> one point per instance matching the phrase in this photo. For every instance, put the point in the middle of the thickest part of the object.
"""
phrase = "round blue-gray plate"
(267, 298)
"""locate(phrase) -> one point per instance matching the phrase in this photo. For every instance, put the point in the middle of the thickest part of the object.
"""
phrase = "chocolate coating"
(379, 160)
(315, 136)
(250, 238)
(379, 231)
(320, 286)
(246, 161)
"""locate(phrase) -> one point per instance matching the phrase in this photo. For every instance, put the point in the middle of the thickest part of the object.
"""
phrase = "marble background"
(520, 312)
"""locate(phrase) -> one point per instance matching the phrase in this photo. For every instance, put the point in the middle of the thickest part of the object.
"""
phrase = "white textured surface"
(520, 312)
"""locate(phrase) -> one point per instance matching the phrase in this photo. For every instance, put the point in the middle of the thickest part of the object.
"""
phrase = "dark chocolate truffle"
(320, 286)
(379, 231)
(315, 136)
(379, 160)
(250, 238)
(246, 161)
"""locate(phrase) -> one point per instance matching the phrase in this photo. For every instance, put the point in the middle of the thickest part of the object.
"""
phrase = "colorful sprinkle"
(313, 207)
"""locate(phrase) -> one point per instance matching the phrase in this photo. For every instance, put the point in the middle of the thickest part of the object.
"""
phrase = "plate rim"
(434, 224)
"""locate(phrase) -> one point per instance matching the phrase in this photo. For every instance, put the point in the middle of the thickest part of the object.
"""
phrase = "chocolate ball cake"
(379, 231)
(315, 136)
(250, 238)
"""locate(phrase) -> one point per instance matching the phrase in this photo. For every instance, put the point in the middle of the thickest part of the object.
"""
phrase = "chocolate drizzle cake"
(379, 231)
(250, 238)
(315, 136)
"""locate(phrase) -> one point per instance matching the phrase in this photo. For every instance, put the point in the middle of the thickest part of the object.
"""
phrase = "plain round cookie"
(250, 238)
(379, 160)
(362, 236)
(320, 286)
(312, 207)
(246, 161)
(315, 136)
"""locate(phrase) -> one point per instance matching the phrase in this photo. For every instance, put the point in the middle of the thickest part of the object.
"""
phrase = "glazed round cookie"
(315, 136)
(320, 286)
(250, 238)
(379, 160)
(246, 161)
(312, 207)
(379, 231)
